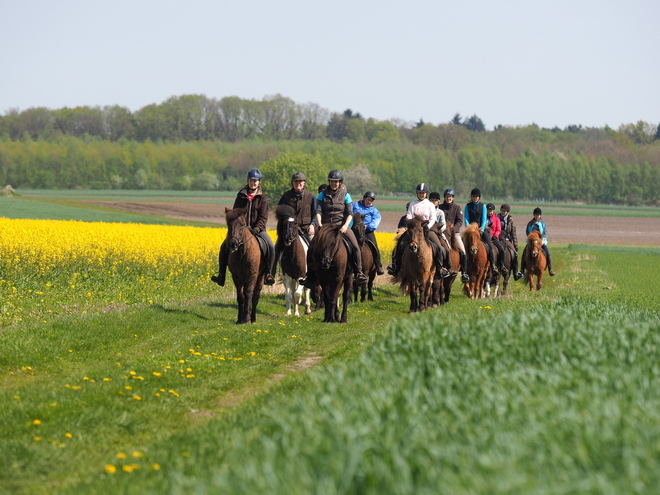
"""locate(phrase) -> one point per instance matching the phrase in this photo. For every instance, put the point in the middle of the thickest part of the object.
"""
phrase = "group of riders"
(333, 205)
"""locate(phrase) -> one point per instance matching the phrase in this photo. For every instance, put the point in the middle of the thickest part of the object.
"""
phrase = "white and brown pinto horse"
(293, 263)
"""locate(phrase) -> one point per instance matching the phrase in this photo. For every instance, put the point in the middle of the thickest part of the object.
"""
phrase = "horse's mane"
(231, 215)
(282, 212)
(449, 234)
(535, 235)
(470, 230)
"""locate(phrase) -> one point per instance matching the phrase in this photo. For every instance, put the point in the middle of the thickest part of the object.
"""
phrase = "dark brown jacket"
(453, 215)
(508, 230)
(258, 210)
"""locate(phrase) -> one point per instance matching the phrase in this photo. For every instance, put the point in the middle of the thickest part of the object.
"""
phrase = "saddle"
(263, 247)
(349, 246)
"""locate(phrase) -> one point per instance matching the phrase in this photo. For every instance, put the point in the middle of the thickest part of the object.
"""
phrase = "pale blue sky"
(511, 62)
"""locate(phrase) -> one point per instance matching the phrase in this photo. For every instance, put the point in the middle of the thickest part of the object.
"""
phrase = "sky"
(510, 62)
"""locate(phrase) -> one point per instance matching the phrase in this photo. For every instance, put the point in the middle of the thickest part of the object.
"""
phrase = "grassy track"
(556, 391)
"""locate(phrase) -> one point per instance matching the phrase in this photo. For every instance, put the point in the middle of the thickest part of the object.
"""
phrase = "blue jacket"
(371, 215)
(540, 226)
(475, 212)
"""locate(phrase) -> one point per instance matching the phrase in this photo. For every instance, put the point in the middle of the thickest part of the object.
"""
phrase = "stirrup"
(380, 271)
(391, 270)
(218, 280)
(361, 277)
(552, 273)
(269, 279)
(444, 273)
(517, 276)
(465, 278)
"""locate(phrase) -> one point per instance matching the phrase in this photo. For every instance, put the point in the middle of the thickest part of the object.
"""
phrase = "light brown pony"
(535, 261)
(368, 262)
(332, 267)
(294, 260)
(245, 263)
(442, 286)
(417, 265)
(477, 261)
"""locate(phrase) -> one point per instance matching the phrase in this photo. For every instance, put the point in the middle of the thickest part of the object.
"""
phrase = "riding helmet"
(369, 194)
(449, 192)
(336, 175)
(475, 192)
(434, 195)
(505, 207)
(298, 176)
(537, 211)
(254, 173)
(490, 206)
(423, 187)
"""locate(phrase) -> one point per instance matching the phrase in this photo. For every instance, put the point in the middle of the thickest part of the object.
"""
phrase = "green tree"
(277, 173)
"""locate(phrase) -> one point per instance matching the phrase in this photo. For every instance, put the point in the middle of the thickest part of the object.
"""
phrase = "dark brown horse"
(477, 261)
(368, 262)
(417, 264)
(442, 286)
(293, 261)
(333, 269)
(245, 263)
(535, 260)
(496, 280)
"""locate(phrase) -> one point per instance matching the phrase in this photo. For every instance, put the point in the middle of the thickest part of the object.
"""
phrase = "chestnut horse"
(245, 263)
(417, 264)
(333, 270)
(477, 261)
(535, 261)
(368, 262)
(442, 286)
(294, 260)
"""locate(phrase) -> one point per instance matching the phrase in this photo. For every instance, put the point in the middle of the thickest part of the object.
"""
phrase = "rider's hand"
(310, 230)
(343, 229)
(254, 231)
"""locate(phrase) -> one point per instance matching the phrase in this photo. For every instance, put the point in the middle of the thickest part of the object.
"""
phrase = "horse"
(417, 265)
(535, 260)
(477, 261)
(246, 264)
(493, 280)
(368, 261)
(331, 264)
(293, 261)
(442, 286)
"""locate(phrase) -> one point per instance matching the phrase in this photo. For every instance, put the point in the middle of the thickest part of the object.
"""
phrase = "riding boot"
(547, 255)
(269, 279)
(465, 278)
(379, 264)
(223, 256)
(440, 260)
(517, 275)
(491, 258)
(360, 277)
(393, 269)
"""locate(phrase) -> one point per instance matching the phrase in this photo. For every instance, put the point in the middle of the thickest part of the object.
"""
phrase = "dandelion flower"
(68, 435)
(121, 455)
(110, 469)
(127, 468)
(36, 422)
(137, 453)
(155, 466)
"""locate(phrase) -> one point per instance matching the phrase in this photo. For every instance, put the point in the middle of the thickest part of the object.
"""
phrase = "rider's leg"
(517, 275)
(270, 258)
(491, 254)
(461, 247)
(546, 251)
(500, 248)
(397, 255)
(523, 266)
(309, 280)
(223, 256)
(357, 256)
(440, 257)
(379, 265)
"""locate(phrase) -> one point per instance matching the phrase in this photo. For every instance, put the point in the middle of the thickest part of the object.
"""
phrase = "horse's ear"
(425, 223)
(227, 210)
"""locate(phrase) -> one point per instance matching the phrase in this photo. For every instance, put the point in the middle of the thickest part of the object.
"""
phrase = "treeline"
(197, 143)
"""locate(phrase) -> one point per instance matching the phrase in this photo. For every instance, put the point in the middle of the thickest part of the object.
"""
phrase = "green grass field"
(549, 392)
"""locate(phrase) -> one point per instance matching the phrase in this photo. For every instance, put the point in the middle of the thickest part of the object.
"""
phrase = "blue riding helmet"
(449, 192)
(254, 173)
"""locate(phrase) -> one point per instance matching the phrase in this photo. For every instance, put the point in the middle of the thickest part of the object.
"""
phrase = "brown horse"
(535, 261)
(477, 261)
(245, 263)
(293, 263)
(442, 286)
(492, 286)
(333, 269)
(417, 264)
(368, 261)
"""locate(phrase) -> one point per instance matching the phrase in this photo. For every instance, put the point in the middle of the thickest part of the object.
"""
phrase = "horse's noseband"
(414, 247)
(291, 232)
(235, 243)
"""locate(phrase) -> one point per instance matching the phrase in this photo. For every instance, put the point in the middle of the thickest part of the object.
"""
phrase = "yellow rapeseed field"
(54, 267)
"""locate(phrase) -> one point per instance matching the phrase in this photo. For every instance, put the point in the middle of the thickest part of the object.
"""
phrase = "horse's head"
(237, 230)
(535, 243)
(287, 225)
(359, 228)
(471, 238)
(418, 231)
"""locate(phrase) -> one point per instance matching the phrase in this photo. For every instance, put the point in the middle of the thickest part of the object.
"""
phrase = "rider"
(441, 225)
(495, 232)
(371, 222)
(475, 212)
(303, 203)
(253, 197)
(454, 215)
(537, 224)
(423, 209)
(509, 234)
(334, 207)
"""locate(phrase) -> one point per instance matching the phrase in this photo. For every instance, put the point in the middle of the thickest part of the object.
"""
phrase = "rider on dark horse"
(475, 212)
(334, 207)
(253, 196)
(371, 222)
(454, 215)
(495, 230)
(303, 203)
(509, 234)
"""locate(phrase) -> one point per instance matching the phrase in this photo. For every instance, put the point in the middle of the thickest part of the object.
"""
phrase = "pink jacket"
(495, 226)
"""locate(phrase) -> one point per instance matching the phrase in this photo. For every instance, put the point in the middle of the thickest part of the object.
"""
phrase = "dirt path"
(561, 229)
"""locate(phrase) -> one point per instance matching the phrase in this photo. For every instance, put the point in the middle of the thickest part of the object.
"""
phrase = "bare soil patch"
(561, 229)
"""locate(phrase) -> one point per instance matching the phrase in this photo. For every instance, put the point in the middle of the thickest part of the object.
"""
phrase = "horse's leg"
(370, 295)
(248, 301)
(240, 299)
(256, 295)
(298, 291)
(412, 290)
(308, 304)
(288, 295)
(346, 297)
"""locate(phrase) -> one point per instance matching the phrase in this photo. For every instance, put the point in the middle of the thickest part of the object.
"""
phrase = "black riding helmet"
(423, 187)
(475, 192)
(336, 175)
(537, 211)
(490, 207)
(435, 195)
(505, 207)
(369, 194)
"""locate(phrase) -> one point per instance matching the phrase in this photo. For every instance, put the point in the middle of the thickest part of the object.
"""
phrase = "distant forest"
(193, 142)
